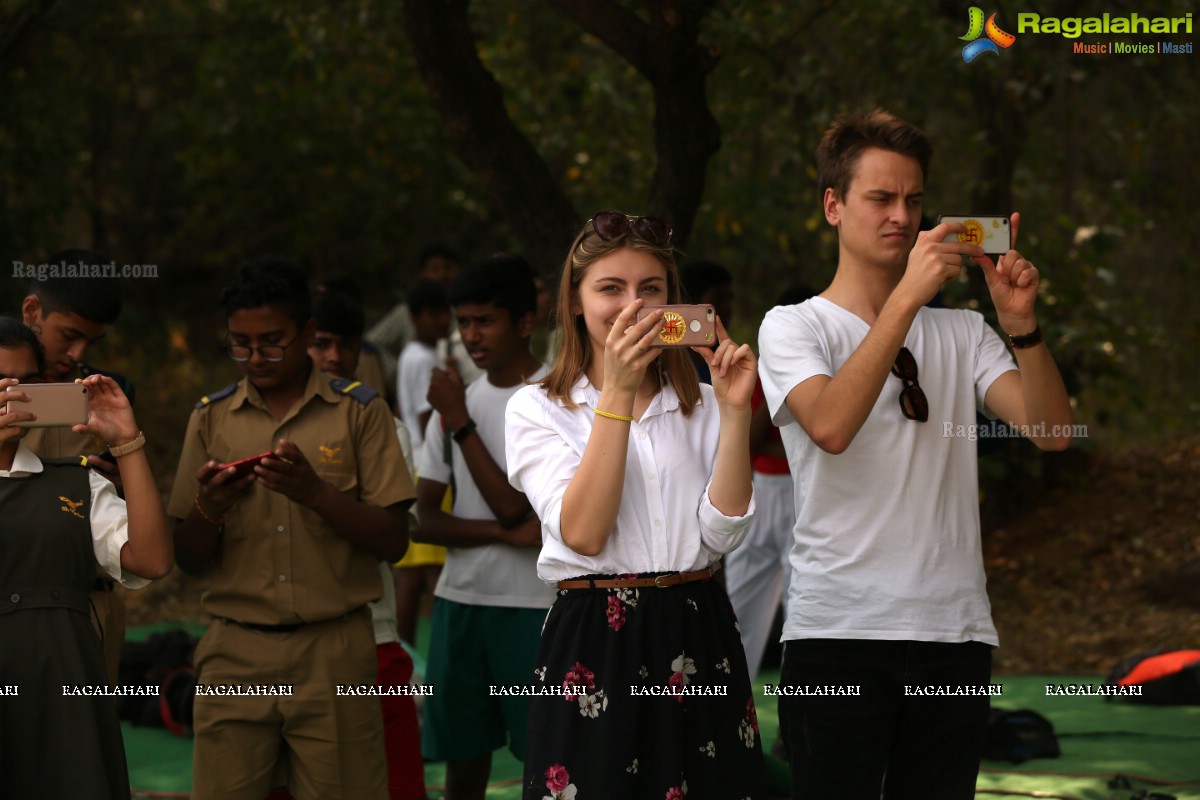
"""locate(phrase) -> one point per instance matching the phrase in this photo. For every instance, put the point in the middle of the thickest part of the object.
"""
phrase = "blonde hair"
(575, 348)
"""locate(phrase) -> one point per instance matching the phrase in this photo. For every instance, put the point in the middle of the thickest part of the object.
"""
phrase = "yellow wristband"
(617, 417)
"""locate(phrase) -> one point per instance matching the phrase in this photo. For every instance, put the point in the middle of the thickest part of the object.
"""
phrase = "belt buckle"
(658, 585)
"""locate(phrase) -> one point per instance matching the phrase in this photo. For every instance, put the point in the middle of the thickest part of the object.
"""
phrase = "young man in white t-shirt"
(489, 604)
(430, 309)
(874, 394)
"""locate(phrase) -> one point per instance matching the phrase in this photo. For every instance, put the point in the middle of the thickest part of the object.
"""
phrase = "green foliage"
(192, 134)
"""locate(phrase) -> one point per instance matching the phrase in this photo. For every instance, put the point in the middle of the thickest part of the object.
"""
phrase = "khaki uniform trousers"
(332, 744)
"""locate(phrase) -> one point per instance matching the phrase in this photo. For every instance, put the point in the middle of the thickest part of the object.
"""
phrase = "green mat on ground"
(1155, 748)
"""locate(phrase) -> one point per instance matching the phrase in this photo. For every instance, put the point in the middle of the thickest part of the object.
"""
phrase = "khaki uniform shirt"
(62, 443)
(278, 562)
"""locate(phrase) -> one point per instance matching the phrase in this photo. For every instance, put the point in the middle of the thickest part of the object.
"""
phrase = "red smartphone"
(245, 466)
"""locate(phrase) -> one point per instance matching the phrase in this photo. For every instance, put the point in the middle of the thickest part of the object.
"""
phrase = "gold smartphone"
(56, 405)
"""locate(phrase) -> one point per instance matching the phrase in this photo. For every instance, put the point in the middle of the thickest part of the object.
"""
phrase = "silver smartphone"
(56, 405)
(992, 232)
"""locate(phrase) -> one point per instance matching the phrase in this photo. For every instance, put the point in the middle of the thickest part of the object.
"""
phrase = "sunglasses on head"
(913, 403)
(610, 225)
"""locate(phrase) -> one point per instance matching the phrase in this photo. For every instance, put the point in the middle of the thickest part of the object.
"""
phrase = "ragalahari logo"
(996, 38)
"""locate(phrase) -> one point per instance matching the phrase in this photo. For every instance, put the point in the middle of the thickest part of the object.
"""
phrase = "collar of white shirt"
(24, 463)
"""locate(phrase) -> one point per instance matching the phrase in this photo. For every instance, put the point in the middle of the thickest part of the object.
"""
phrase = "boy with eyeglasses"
(887, 594)
(291, 551)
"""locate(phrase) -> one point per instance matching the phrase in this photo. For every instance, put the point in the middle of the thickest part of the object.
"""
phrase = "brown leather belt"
(659, 582)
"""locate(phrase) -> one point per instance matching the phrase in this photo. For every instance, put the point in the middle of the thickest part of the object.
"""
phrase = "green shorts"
(472, 649)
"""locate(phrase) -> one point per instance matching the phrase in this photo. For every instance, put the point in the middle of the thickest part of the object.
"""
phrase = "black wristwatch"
(464, 431)
(1026, 340)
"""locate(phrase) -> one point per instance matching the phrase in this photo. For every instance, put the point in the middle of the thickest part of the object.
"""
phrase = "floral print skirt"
(642, 694)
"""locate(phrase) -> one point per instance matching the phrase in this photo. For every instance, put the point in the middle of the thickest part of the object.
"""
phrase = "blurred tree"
(189, 135)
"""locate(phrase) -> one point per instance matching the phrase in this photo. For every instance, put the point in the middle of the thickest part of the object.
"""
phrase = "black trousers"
(901, 719)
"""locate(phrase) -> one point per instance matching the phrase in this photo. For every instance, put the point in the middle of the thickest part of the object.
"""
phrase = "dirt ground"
(1105, 566)
(1104, 569)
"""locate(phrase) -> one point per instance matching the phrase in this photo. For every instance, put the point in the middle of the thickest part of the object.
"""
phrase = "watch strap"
(129, 447)
(464, 431)
(1025, 340)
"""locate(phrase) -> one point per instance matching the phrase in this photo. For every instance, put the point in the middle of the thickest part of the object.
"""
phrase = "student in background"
(336, 351)
(489, 605)
(437, 262)
(417, 573)
(758, 573)
(429, 305)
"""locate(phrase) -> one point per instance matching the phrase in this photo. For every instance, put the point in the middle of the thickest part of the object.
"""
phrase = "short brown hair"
(850, 134)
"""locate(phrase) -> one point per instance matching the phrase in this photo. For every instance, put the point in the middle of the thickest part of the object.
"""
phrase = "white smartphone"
(989, 231)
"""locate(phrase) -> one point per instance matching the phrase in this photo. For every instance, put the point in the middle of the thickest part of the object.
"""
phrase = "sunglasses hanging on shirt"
(913, 403)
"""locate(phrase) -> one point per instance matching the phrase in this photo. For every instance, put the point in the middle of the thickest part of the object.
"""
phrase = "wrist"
(321, 497)
(616, 401)
(1018, 326)
(208, 515)
(734, 412)
(456, 419)
(126, 444)
(462, 431)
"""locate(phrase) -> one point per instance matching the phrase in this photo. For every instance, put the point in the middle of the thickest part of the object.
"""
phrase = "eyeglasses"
(913, 403)
(269, 352)
(610, 225)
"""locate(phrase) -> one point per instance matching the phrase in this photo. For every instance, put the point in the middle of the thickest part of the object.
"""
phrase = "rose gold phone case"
(57, 405)
(685, 325)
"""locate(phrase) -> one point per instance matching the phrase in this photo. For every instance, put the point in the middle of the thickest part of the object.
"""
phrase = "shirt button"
(658, 522)
(16, 598)
(641, 436)
(279, 528)
(650, 475)
(282, 578)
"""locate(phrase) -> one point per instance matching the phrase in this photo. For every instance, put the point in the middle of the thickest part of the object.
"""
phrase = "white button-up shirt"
(666, 521)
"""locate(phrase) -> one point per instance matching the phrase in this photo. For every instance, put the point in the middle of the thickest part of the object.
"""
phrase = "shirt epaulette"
(217, 395)
(126, 385)
(68, 461)
(356, 389)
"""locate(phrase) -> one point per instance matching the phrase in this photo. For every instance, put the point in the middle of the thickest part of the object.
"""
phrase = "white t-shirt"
(108, 517)
(665, 522)
(494, 574)
(887, 535)
(414, 371)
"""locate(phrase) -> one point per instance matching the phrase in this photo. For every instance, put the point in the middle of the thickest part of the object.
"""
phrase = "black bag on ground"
(1018, 736)
(163, 660)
